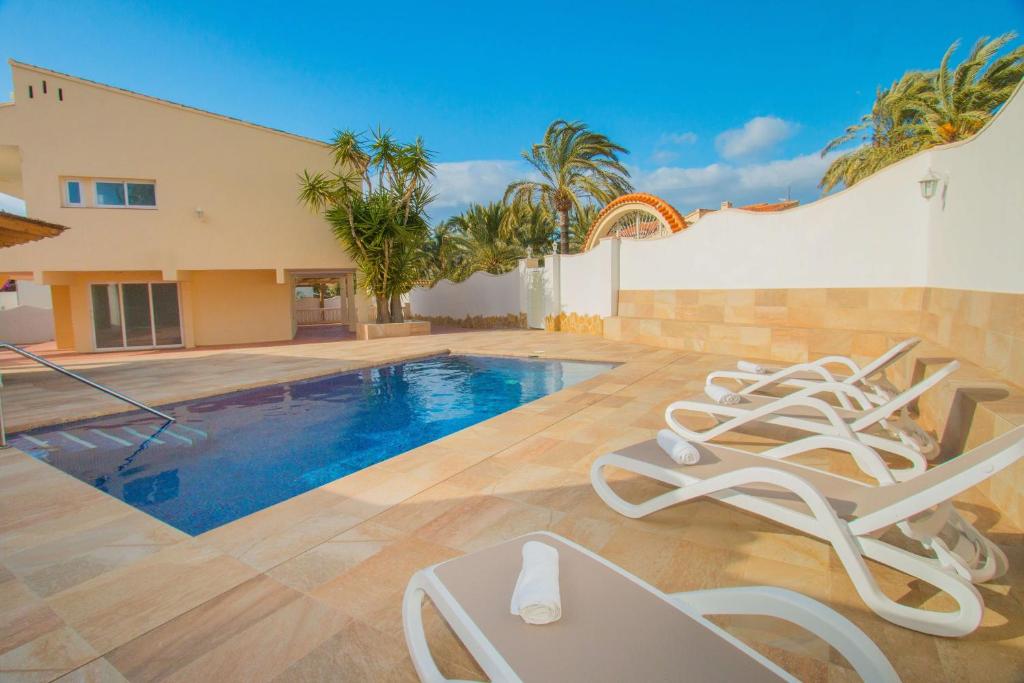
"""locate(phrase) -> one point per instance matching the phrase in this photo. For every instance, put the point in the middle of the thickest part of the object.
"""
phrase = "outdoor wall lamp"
(199, 212)
(929, 184)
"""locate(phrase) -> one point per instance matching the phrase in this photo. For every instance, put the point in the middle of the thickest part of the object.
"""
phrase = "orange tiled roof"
(675, 220)
(770, 206)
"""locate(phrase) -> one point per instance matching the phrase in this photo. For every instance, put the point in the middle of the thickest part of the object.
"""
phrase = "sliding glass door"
(136, 315)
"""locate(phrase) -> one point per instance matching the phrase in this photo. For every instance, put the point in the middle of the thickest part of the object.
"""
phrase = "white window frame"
(124, 183)
(152, 318)
(66, 192)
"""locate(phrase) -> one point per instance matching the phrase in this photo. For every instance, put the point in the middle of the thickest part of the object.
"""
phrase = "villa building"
(185, 229)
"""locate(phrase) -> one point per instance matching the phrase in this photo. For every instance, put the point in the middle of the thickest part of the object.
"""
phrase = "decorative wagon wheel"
(639, 216)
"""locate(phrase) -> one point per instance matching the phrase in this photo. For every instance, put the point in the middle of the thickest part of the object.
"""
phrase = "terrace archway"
(638, 216)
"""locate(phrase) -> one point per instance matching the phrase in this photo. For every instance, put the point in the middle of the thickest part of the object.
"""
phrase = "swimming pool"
(228, 456)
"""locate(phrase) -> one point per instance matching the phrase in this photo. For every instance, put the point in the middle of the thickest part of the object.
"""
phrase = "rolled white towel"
(747, 366)
(536, 597)
(721, 395)
(679, 449)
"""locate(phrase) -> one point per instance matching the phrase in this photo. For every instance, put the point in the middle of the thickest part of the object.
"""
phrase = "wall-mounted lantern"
(929, 184)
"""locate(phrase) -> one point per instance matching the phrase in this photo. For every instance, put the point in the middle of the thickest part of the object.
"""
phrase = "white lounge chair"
(614, 626)
(804, 411)
(870, 379)
(846, 513)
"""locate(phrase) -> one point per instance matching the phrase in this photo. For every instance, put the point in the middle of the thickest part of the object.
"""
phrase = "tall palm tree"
(481, 237)
(928, 108)
(575, 164)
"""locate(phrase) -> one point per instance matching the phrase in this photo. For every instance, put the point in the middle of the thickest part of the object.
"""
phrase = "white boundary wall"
(590, 281)
(481, 294)
(879, 233)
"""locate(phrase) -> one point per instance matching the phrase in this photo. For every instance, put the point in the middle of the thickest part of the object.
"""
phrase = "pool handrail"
(74, 375)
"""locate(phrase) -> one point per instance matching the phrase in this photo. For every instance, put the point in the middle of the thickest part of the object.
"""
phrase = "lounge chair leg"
(867, 660)
(957, 544)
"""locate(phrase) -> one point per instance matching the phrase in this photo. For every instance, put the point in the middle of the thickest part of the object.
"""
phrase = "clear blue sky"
(715, 100)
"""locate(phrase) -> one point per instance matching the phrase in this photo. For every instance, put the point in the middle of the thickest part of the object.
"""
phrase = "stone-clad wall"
(782, 324)
(794, 325)
(986, 328)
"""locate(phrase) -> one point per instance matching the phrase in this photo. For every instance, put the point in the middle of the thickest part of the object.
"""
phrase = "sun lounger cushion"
(612, 629)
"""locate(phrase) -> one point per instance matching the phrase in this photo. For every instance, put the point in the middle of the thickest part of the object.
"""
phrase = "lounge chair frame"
(797, 375)
(859, 650)
(924, 515)
(853, 425)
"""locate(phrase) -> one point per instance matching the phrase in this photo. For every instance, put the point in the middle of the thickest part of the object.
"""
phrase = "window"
(110, 194)
(136, 314)
(73, 193)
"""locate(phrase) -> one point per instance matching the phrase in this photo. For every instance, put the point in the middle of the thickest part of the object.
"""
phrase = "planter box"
(385, 330)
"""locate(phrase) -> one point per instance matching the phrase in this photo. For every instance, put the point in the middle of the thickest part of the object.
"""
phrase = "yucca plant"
(375, 202)
(575, 165)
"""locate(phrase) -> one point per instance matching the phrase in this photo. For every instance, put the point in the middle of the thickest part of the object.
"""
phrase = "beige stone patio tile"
(334, 557)
(380, 579)
(115, 607)
(249, 633)
(45, 657)
(486, 520)
(96, 671)
(357, 652)
(64, 562)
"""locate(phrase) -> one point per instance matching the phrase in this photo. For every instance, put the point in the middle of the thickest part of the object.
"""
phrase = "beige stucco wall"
(217, 307)
(234, 263)
(226, 306)
(242, 176)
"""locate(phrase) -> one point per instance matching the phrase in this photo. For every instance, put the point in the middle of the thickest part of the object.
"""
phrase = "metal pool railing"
(73, 375)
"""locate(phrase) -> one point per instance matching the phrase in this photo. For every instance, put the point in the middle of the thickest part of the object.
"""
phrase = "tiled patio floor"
(309, 590)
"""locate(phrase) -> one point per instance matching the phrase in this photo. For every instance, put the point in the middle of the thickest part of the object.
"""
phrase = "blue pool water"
(227, 456)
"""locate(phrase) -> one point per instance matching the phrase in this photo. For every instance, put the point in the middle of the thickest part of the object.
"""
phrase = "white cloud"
(707, 186)
(663, 156)
(458, 183)
(687, 138)
(11, 204)
(759, 134)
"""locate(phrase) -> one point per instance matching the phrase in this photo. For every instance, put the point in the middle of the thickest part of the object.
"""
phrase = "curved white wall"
(481, 294)
(879, 233)
(874, 234)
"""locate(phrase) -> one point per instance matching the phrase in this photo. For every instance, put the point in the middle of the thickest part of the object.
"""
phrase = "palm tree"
(885, 133)
(575, 164)
(439, 254)
(582, 219)
(532, 227)
(380, 226)
(928, 108)
(965, 98)
(480, 235)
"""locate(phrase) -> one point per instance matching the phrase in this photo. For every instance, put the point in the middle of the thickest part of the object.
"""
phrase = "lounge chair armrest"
(777, 406)
(867, 659)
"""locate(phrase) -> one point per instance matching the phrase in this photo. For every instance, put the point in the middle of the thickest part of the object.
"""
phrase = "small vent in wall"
(30, 93)
(60, 94)
(44, 87)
